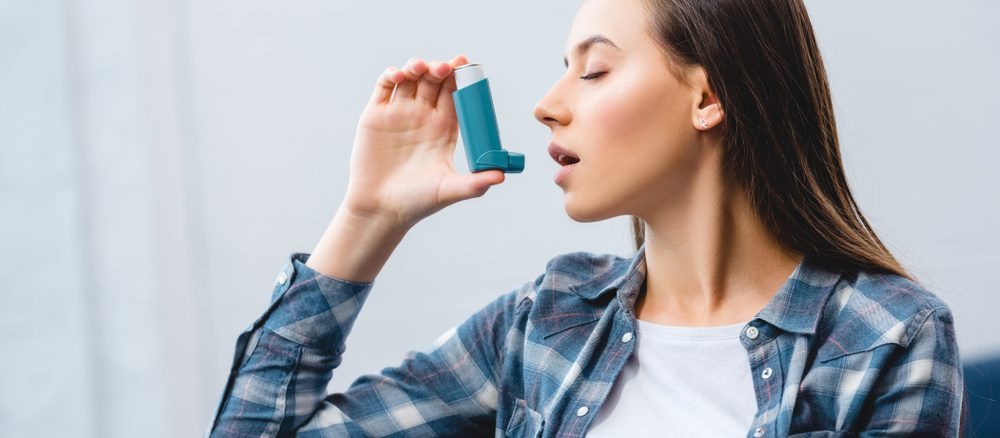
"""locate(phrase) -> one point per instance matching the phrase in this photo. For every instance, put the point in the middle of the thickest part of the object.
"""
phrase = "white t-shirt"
(681, 381)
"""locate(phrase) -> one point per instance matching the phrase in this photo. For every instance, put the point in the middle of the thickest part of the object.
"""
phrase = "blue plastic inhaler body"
(477, 122)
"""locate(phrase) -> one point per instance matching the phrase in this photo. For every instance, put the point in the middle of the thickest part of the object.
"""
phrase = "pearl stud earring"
(704, 123)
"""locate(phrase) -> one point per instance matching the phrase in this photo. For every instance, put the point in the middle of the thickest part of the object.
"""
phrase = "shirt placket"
(765, 366)
(585, 407)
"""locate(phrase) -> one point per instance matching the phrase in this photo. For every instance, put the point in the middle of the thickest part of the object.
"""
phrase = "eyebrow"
(585, 45)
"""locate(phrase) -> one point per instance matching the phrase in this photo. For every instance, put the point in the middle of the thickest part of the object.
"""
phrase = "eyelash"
(592, 76)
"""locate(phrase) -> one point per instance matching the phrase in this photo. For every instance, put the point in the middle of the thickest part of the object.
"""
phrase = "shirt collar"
(796, 307)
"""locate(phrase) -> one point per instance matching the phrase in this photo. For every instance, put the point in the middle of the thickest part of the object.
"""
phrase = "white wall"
(160, 159)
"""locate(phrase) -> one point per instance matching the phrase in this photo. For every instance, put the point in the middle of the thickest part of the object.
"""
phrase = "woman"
(759, 301)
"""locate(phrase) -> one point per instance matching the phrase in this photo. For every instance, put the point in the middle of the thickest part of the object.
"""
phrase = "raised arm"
(400, 172)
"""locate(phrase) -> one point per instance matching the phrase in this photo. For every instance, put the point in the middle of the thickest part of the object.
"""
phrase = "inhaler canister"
(477, 121)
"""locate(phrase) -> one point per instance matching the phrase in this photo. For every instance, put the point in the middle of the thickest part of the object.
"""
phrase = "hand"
(401, 163)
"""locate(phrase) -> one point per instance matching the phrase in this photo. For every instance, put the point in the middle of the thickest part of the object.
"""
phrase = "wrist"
(356, 245)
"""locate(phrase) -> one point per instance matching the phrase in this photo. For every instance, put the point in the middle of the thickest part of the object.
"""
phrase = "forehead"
(621, 21)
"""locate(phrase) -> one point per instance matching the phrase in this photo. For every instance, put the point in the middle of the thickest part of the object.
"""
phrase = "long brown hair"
(779, 133)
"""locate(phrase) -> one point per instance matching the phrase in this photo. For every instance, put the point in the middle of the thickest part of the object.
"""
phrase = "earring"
(704, 123)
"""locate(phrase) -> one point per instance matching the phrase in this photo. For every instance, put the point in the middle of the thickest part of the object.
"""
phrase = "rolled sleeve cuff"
(313, 309)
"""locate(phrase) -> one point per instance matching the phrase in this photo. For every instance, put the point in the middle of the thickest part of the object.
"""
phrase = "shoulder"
(565, 279)
(870, 309)
(572, 272)
(569, 292)
(583, 274)
(904, 339)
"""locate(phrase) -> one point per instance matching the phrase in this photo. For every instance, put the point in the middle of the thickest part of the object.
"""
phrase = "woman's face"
(632, 124)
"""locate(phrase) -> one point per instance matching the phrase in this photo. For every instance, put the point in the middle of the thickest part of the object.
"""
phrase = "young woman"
(759, 301)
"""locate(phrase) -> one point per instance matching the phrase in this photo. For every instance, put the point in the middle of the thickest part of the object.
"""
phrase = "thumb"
(459, 187)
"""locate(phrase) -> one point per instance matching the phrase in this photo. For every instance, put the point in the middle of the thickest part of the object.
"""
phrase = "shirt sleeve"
(285, 359)
(922, 390)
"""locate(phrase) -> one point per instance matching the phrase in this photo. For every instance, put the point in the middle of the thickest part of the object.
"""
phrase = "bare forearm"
(355, 247)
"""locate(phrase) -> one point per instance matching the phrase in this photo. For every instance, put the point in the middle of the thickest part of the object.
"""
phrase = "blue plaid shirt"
(832, 355)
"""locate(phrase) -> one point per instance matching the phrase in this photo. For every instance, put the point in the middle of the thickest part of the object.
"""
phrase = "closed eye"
(592, 76)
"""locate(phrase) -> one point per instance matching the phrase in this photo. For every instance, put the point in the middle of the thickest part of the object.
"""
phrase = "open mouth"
(566, 160)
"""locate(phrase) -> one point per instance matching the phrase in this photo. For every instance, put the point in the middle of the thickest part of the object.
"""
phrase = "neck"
(709, 260)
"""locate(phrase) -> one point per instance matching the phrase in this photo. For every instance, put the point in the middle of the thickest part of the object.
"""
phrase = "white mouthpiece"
(468, 74)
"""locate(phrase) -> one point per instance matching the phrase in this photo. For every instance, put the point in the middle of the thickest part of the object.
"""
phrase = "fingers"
(430, 83)
(458, 61)
(413, 69)
(445, 102)
(385, 84)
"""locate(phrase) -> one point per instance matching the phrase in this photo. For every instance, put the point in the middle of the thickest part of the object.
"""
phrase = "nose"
(551, 113)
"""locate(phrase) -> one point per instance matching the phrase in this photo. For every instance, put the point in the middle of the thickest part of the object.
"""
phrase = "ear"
(706, 112)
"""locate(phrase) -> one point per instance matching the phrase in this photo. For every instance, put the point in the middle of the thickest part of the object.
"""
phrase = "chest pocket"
(525, 422)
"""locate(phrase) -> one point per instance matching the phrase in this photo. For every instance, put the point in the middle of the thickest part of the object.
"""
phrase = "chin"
(584, 213)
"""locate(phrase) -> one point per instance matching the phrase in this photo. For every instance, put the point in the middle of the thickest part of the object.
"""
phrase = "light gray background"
(160, 159)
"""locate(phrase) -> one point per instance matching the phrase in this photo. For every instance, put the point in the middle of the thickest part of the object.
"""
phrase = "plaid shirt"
(831, 354)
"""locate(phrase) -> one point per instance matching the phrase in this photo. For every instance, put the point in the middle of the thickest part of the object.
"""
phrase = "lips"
(562, 155)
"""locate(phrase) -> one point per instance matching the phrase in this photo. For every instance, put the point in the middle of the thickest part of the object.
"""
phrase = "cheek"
(640, 134)
(623, 116)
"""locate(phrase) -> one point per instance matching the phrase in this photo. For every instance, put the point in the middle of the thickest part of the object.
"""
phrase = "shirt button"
(582, 411)
(766, 373)
(282, 277)
(752, 332)
(627, 337)
(758, 432)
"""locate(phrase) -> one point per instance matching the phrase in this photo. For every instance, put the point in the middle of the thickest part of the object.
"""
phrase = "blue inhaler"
(477, 121)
